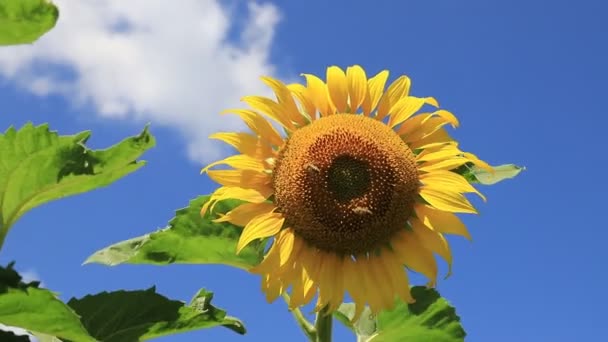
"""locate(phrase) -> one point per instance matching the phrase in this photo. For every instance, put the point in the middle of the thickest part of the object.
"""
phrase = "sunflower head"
(345, 183)
(362, 187)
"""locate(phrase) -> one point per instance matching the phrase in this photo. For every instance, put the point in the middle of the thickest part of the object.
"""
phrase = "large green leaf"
(127, 316)
(189, 239)
(24, 21)
(26, 306)
(39, 166)
(429, 319)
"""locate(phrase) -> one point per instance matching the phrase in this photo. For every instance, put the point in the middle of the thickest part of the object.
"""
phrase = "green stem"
(323, 325)
(308, 329)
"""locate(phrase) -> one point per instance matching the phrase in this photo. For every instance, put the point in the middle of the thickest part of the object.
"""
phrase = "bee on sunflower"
(360, 188)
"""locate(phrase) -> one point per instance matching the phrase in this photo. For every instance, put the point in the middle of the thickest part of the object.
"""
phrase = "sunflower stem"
(307, 327)
(323, 325)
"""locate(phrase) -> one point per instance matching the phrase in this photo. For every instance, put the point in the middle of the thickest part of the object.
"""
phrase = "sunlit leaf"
(24, 21)
(430, 318)
(189, 239)
(478, 175)
(38, 166)
(26, 306)
(364, 327)
(45, 338)
(126, 316)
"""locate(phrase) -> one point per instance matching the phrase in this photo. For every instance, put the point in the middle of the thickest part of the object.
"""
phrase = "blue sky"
(526, 79)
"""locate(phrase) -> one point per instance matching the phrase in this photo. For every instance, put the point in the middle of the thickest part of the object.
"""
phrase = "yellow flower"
(361, 188)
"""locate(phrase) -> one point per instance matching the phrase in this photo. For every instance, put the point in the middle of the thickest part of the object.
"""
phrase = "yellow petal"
(432, 101)
(375, 87)
(330, 282)
(259, 125)
(448, 116)
(364, 276)
(404, 109)
(259, 227)
(447, 200)
(231, 192)
(338, 89)
(270, 261)
(413, 123)
(426, 129)
(247, 179)
(440, 136)
(443, 179)
(272, 287)
(274, 110)
(317, 91)
(307, 266)
(245, 144)
(238, 193)
(242, 214)
(396, 276)
(478, 162)
(302, 288)
(441, 221)
(397, 90)
(446, 164)
(281, 259)
(354, 285)
(448, 151)
(297, 291)
(338, 285)
(286, 100)
(289, 249)
(301, 92)
(433, 241)
(383, 284)
(282, 256)
(439, 145)
(357, 86)
(415, 256)
(310, 261)
(239, 161)
(371, 294)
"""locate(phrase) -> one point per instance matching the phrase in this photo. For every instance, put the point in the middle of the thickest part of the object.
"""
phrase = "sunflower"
(359, 189)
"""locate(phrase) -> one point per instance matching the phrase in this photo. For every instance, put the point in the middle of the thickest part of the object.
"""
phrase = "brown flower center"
(345, 183)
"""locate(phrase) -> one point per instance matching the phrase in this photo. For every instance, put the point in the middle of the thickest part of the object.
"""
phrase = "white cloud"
(172, 63)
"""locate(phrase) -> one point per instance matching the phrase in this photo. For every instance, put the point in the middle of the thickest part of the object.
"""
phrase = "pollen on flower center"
(345, 183)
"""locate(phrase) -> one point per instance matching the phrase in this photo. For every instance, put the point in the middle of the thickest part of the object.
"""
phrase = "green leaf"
(189, 239)
(476, 174)
(39, 166)
(24, 21)
(127, 316)
(429, 319)
(26, 306)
